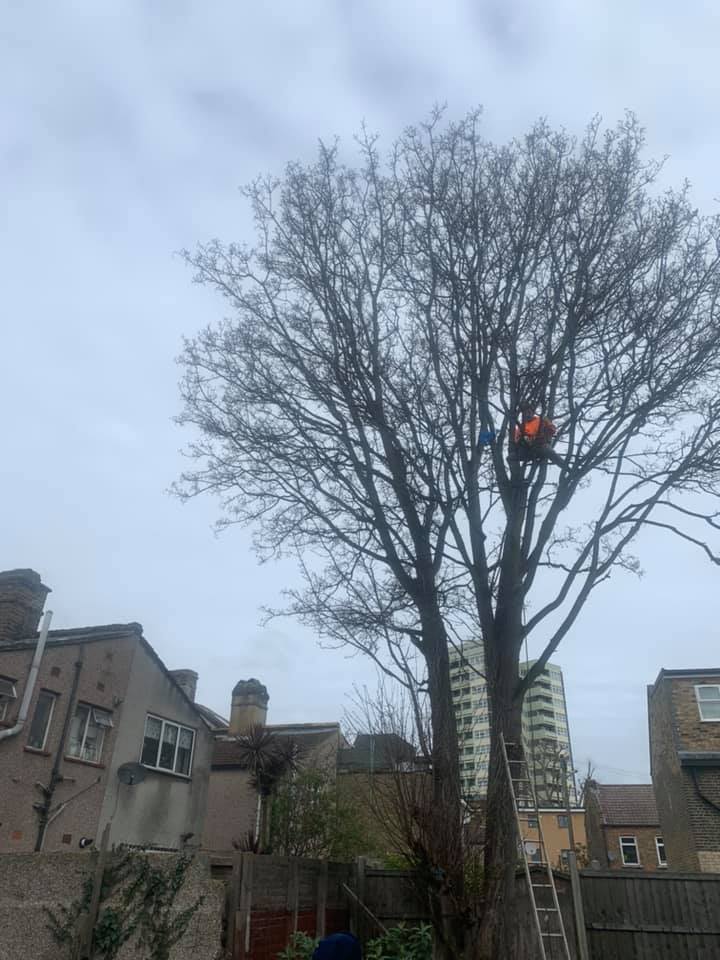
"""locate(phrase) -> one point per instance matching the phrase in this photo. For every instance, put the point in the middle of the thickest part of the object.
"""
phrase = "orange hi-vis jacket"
(536, 430)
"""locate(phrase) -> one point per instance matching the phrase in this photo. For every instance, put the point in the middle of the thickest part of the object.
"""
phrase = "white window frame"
(91, 712)
(168, 723)
(53, 698)
(6, 700)
(628, 840)
(706, 686)
(659, 842)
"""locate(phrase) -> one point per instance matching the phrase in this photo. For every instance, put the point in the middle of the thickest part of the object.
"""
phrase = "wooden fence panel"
(650, 916)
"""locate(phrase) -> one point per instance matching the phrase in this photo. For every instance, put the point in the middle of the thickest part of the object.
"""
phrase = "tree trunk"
(498, 924)
(444, 836)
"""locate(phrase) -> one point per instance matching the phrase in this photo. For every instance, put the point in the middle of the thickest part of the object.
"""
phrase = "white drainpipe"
(31, 680)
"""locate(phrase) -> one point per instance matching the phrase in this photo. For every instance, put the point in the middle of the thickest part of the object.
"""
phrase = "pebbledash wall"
(33, 882)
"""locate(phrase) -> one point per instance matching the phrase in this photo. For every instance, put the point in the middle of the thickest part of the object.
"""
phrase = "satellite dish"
(131, 773)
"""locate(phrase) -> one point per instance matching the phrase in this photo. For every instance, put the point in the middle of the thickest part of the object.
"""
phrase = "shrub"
(402, 943)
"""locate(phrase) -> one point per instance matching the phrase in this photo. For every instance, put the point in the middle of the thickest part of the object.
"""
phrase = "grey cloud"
(127, 130)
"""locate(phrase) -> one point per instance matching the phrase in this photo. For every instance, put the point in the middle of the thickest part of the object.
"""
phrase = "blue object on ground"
(338, 946)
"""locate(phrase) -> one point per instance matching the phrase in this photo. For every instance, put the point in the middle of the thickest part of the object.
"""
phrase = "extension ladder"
(548, 918)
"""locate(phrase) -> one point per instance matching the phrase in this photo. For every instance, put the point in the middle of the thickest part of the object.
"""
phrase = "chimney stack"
(248, 706)
(22, 598)
(187, 680)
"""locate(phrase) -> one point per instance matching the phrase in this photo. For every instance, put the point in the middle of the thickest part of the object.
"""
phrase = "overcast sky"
(126, 129)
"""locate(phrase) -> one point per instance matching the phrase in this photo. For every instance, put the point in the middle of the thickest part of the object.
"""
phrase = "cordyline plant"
(357, 409)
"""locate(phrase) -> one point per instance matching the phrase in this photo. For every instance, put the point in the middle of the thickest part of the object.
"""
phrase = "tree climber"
(533, 436)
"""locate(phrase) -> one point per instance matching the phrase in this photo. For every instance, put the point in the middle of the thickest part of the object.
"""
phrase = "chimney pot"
(248, 706)
(22, 598)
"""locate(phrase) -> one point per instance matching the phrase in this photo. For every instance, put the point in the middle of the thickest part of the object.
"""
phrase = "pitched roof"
(227, 752)
(627, 805)
(378, 751)
(217, 722)
(104, 631)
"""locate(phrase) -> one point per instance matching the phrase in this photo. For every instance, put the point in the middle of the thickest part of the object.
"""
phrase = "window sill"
(37, 751)
(185, 777)
(85, 763)
(632, 866)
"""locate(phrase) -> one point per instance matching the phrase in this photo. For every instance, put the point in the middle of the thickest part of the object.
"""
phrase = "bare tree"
(586, 779)
(359, 406)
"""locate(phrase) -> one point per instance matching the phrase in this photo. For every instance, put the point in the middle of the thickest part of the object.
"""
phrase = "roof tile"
(628, 805)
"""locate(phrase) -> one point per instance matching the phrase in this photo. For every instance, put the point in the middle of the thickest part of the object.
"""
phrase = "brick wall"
(103, 683)
(593, 828)
(645, 837)
(692, 732)
(668, 781)
(688, 798)
(702, 791)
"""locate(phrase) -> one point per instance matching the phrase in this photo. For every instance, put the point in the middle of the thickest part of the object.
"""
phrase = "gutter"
(31, 681)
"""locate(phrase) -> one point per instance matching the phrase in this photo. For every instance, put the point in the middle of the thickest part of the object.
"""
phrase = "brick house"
(684, 717)
(101, 699)
(623, 827)
(232, 799)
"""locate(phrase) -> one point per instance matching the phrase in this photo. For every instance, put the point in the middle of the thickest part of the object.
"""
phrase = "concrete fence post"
(578, 910)
(233, 901)
(359, 884)
(242, 935)
(87, 934)
(322, 889)
(293, 895)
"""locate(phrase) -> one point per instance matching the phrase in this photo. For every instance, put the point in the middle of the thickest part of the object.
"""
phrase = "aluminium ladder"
(548, 918)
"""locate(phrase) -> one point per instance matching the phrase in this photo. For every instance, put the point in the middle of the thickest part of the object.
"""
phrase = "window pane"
(660, 844)
(628, 848)
(93, 741)
(151, 742)
(167, 749)
(77, 731)
(41, 720)
(710, 710)
(562, 821)
(708, 693)
(7, 689)
(184, 752)
(102, 718)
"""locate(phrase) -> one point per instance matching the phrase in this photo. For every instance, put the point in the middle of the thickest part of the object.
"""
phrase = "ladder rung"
(548, 885)
(521, 780)
(546, 909)
(552, 934)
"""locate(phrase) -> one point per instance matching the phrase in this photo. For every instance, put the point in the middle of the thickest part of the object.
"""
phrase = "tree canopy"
(358, 406)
